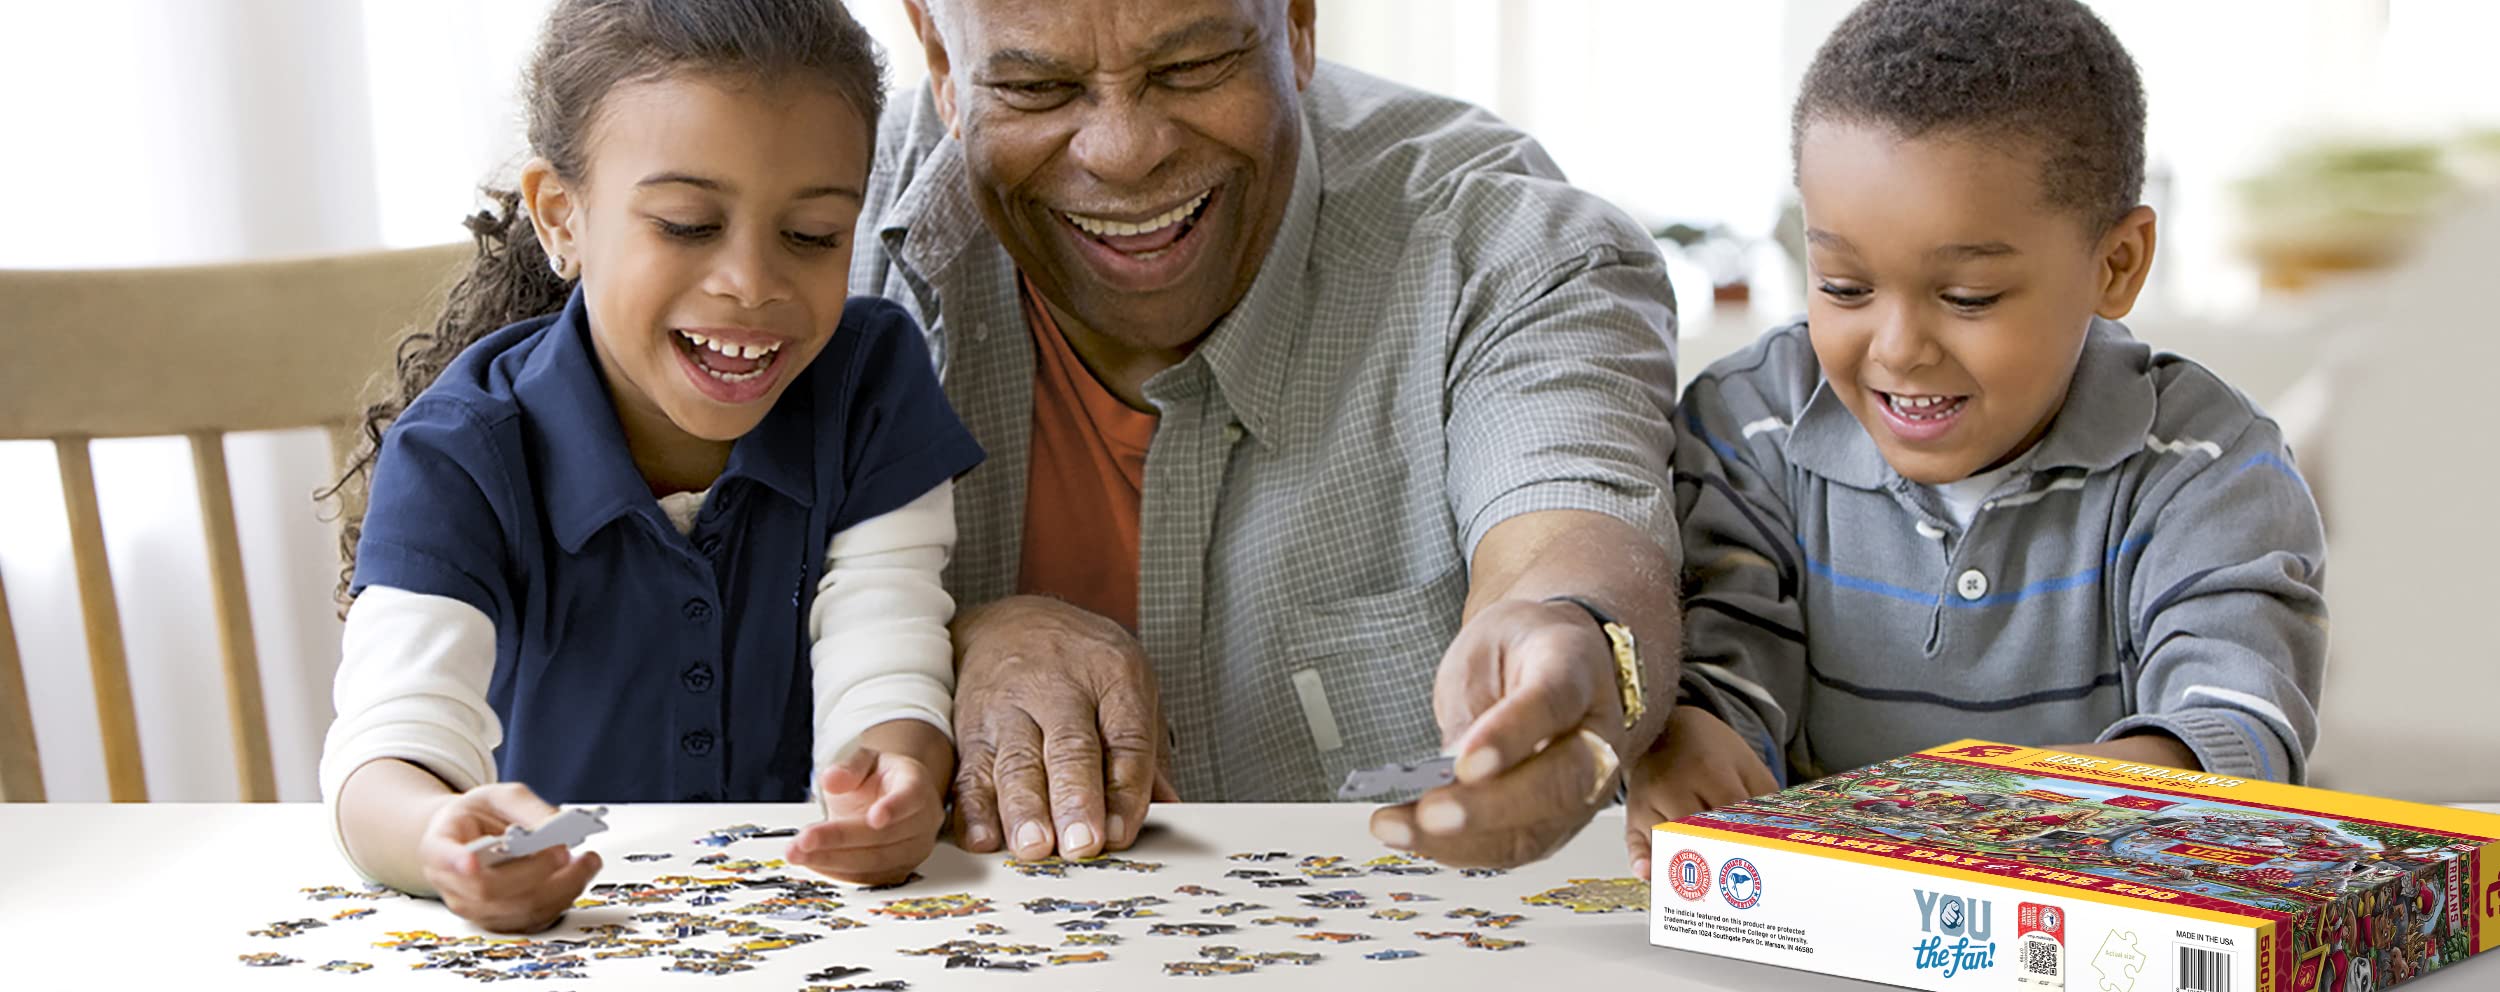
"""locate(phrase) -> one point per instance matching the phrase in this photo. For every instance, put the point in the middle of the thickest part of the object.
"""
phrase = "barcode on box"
(2201, 970)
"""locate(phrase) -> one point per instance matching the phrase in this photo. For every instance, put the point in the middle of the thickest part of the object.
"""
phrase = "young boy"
(1960, 500)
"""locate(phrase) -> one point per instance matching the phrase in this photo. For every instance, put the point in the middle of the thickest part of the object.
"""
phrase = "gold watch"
(1628, 675)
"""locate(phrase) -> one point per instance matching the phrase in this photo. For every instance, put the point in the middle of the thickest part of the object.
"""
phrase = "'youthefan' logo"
(1966, 922)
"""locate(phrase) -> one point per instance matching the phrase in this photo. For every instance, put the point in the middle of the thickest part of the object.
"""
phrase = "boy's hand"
(524, 895)
(2149, 748)
(1700, 763)
(882, 813)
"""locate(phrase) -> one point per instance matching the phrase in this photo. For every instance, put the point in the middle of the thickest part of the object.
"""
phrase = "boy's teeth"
(1101, 228)
(1921, 407)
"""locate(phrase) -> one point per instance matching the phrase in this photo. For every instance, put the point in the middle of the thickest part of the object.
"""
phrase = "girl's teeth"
(728, 350)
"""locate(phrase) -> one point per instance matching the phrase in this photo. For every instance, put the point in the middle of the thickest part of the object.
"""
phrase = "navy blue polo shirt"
(633, 663)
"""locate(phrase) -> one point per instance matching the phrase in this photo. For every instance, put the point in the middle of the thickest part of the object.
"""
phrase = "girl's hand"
(524, 895)
(1699, 764)
(882, 813)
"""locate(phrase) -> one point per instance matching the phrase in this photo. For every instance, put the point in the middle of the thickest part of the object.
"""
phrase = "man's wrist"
(1624, 652)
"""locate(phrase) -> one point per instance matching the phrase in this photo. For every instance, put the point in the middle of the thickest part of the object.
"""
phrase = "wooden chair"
(198, 352)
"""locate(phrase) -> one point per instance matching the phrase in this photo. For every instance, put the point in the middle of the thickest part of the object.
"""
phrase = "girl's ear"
(555, 213)
(2125, 259)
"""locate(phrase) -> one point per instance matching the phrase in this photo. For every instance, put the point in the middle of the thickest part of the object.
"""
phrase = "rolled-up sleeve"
(1563, 401)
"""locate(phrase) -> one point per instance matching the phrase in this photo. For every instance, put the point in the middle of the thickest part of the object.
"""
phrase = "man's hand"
(884, 802)
(1526, 698)
(1058, 731)
(1700, 763)
(524, 895)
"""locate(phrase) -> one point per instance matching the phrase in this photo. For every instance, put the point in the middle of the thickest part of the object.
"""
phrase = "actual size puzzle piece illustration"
(1596, 895)
(2120, 962)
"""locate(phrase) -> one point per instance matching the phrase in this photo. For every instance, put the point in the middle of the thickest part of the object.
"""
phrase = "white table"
(161, 895)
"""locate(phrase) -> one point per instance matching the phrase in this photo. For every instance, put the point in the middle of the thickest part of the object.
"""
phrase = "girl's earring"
(555, 263)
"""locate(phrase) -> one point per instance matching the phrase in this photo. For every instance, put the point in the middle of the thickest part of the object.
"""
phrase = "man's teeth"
(728, 350)
(1101, 228)
(1922, 407)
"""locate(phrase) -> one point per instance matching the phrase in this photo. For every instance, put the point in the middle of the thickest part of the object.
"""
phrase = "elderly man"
(1327, 427)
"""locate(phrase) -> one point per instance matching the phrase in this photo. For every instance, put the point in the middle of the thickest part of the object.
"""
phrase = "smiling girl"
(659, 512)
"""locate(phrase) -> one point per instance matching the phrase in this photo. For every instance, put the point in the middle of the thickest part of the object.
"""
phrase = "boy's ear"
(555, 211)
(2123, 260)
(924, 24)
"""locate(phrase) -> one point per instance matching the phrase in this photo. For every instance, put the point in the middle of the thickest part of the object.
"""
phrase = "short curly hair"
(2044, 72)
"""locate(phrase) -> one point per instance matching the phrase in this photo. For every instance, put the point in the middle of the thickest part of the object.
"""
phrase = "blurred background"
(2325, 172)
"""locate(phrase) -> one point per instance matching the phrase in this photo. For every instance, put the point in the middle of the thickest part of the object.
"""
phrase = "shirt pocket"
(1359, 672)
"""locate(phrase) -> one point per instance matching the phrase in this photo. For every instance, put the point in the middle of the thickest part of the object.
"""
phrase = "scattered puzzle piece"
(1191, 929)
(1596, 895)
(1200, 969)
(935, 907)
(347, 967)
(1399, 776)
(288, 928)
(568, 827)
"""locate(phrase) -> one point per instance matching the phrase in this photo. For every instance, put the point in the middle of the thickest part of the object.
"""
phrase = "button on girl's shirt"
(697, 743)
(698, 610)
(1972, 585)
(697, 677)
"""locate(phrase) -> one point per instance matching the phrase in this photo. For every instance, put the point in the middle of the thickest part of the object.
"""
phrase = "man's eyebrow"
(1212, 29)
(1011, 59)
(1982, 249)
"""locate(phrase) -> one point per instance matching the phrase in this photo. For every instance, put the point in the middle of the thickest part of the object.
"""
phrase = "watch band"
(1628, 675)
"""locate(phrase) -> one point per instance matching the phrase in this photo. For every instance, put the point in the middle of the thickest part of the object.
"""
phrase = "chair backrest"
(195, 351)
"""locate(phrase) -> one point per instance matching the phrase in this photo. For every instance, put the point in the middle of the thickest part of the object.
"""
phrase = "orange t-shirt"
(1085, 483)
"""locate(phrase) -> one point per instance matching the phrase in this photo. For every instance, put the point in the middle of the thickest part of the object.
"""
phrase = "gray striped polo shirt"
(1444, 335)
(2157, 563)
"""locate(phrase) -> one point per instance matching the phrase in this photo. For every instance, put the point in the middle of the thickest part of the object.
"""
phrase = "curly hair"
(2044, 72)
(588, 48)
